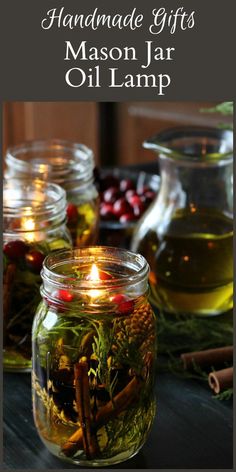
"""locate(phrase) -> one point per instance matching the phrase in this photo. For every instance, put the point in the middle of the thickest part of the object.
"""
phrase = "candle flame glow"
(94, 276)
(28, 224)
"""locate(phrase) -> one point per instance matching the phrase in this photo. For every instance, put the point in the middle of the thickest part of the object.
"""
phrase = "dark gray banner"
(107, 51)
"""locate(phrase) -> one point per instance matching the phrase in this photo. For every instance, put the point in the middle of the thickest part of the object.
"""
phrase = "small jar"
(94, 349)
(34, 215)
(69, 165)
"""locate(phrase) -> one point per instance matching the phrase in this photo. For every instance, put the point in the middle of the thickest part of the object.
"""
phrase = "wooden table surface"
(191, 429)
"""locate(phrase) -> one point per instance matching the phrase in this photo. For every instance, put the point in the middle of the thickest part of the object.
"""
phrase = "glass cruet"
(186, 235)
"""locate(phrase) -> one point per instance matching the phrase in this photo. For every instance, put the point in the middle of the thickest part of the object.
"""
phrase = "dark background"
(32, 65)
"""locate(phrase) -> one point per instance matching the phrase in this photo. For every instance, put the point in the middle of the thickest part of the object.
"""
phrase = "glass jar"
(187, 233)
(93, 356)
(69, 165)
(34, 216)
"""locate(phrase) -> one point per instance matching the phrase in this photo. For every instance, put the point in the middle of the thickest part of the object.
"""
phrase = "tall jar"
(34, 215)
(94, 349)
(69, 165)
(187, 233)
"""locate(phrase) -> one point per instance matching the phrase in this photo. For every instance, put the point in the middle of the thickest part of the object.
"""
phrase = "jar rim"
(94, 254)
(56, 159)
(38, 199)
(166, 144)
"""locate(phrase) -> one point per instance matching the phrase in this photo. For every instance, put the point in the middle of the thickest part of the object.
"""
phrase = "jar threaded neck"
(43, 203)
(70, 270)
(54, 160)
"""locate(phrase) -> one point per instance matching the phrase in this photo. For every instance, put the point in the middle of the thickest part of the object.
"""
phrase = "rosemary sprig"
(225, 108)
(225, 395)
(177, 334)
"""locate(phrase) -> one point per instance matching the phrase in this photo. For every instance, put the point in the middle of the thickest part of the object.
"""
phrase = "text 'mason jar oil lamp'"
(34, 215)
(187, 233)
(94, 349)
(69, 165)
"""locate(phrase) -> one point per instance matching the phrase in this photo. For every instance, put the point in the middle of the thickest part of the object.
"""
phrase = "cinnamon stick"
(221, 379)
(84, 410)
(112, 409)
(208, 357)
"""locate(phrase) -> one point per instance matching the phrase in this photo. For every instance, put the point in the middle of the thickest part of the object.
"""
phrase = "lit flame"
(28, 224)
(94, 276)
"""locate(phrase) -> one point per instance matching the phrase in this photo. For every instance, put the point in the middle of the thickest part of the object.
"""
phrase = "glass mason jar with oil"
(69, 165)
(94, 350)
(34, 215)
(187, 233)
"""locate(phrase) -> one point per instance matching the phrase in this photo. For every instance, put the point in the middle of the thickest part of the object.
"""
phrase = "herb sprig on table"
(179, 333)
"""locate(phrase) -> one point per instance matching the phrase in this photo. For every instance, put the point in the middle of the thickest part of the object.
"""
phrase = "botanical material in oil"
(22, 263)
(92, 383)
(191, 264)
(82, 222)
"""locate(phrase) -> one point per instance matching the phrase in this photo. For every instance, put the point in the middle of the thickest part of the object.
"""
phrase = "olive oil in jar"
(192, 264)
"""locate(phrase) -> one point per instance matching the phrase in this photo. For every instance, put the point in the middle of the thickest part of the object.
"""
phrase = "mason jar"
(69, 165)
(34, 215)
(94, 349)
(186, 235)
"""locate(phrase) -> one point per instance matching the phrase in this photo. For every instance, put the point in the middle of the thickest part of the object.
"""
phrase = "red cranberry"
(120, 207)
(104, 275)
(125, 306)
(72, 212)
(34, 260)
(65, 296)
(126, 217)
(106, 211)
(135, 200)
(126, 184)
(15, 249)
(138, 209)
(129, 194)
(111, 195)
(57, 305)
